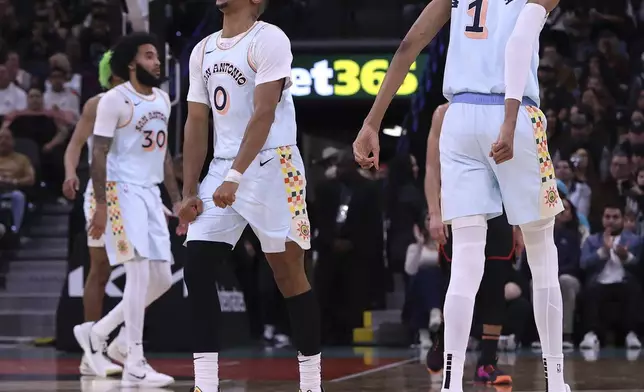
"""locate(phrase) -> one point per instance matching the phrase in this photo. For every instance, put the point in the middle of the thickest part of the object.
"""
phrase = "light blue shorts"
(472, 184)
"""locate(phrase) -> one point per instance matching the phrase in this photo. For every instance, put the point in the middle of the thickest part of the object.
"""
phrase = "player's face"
(227, 6)
(148, 66)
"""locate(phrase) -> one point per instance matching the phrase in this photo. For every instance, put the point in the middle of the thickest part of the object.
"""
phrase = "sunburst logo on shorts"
(551, 197)
(123, 247)
(304, 230)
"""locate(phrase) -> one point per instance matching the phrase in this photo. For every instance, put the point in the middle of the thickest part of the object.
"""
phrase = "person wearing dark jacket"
(610, 260)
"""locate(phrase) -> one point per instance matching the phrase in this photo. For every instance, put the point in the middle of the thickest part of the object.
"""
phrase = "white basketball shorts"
(473, 184)
(271, 198)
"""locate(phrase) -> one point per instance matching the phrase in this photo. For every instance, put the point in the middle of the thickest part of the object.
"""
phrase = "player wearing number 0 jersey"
(492, 145)
(129, 161)
(243, 73)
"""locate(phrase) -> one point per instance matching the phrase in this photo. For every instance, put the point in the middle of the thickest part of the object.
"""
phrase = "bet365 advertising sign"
(348, 76)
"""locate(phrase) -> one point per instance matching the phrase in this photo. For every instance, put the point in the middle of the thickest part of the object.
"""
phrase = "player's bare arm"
(428, 24)
(437, 230)
(80, 135)
(266, 97)
(170, 180)
(518, 55)
(99, 178)
(195, 148)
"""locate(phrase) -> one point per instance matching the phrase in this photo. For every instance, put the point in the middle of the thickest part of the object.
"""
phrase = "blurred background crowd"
(370, 240)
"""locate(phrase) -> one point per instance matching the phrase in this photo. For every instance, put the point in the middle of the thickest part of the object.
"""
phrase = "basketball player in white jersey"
(130, 135)
(491, 83)
(243, 73)
(99, 270)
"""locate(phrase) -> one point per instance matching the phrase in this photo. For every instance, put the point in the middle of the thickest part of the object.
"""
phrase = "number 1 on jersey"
(477, 10)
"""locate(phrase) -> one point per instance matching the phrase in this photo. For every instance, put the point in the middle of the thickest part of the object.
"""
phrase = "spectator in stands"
(578, 192)
(612, 191)
(61, 98)
(95, 39)
(612, 293)
(582, 135)
(49, 130)
(426, 287)
(558, 139)
(16, 174)
(583, 169)
(12, 98)
(19, 76)
(72, 82)
(568, 242)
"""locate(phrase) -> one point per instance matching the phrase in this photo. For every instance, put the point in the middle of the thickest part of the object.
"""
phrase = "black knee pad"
(199, 274)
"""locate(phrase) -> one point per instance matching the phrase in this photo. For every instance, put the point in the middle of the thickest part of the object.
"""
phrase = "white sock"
(206, 371)
(160, 282)
(310, 372)
(468, 263)
(546, 298)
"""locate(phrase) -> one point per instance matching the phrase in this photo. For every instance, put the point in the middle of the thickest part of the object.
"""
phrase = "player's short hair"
(125, 51)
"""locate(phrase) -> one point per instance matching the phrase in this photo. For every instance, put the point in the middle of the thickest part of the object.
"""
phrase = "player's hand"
(519, 245)
(99, 221)
(191, 207)
(437, 229)
(366, 144)
(224, 196)
(70, 187)
(503, 149)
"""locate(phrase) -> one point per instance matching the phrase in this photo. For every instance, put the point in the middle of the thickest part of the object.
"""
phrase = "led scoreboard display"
(348, 76)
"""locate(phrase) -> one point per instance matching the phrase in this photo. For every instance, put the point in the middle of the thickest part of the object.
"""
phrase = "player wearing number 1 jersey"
(491, 83)
(128, 156)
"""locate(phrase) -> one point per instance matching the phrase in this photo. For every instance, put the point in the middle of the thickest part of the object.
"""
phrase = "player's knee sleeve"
(468, 255)
(200, 273)
(542, 253)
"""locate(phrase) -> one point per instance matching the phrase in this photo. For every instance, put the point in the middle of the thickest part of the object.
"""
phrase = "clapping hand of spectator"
(622, 252)
(608, 240)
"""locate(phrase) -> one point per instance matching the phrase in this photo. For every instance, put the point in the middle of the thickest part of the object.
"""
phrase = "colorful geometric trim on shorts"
(116, 221)
(546, 168)
(293, 182)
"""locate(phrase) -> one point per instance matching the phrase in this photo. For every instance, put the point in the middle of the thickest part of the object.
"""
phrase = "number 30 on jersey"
(153, 140)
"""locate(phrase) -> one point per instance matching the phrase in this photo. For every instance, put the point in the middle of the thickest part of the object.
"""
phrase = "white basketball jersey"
(139, 147)
(230, 80)
(90, 140)
(479, 32)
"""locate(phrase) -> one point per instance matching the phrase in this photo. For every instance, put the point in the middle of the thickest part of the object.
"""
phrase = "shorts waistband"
(266, 149)
(487, 99)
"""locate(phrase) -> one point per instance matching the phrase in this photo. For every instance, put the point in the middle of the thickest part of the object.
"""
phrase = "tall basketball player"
(128, 156)
(243, 73)
(99, 269)
(493, 111)
(499, 252)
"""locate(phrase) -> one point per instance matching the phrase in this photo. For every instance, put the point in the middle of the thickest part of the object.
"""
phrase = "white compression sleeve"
(519, 49)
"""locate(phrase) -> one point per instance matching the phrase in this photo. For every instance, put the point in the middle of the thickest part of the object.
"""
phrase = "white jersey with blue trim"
(479, 32)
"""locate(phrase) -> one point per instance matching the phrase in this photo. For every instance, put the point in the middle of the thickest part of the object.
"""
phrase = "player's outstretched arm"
(83, 130)
(428, 24)
(519, 50)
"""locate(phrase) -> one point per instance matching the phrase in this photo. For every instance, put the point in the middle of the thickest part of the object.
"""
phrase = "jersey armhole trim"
(131, 104)
(251, 47)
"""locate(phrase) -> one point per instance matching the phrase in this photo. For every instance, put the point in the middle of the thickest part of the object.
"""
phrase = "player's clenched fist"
(190, 208)
(224, 196)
